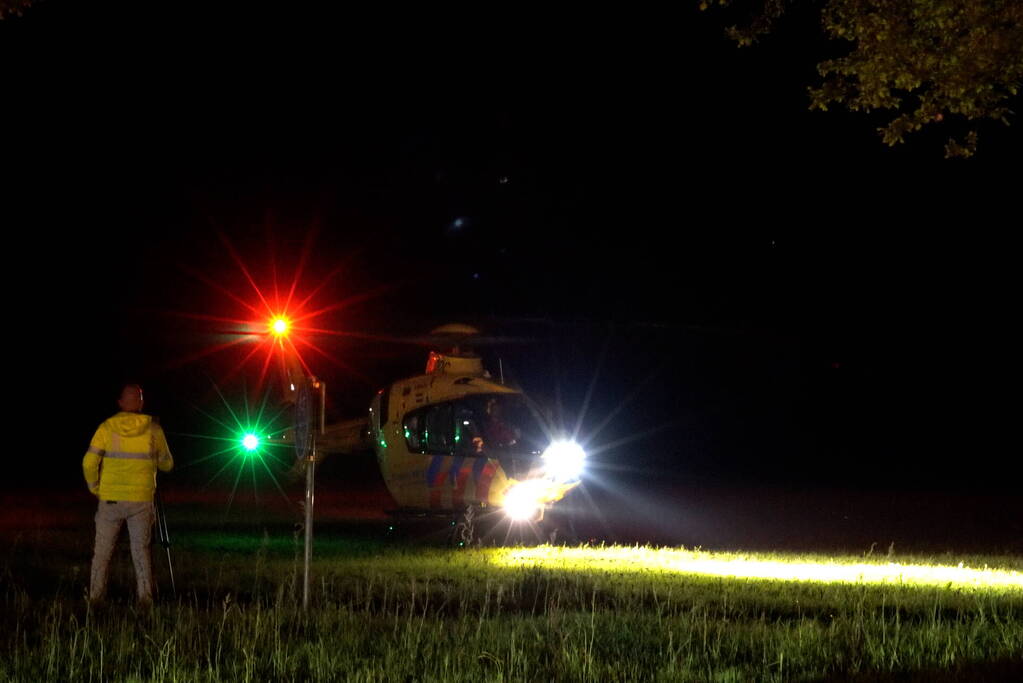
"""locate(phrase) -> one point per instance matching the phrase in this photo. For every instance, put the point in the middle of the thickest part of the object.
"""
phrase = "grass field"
(387, 611)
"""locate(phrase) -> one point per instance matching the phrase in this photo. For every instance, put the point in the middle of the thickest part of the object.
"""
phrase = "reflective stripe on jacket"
(123, 457)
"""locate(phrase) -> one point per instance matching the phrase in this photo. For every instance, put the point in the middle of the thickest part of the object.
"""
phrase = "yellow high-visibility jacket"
(123, 457)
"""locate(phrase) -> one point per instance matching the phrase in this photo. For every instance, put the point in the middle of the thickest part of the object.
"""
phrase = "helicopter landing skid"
(462, 528)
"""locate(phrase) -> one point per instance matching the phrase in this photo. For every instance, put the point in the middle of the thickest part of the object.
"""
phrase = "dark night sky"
(801, 302)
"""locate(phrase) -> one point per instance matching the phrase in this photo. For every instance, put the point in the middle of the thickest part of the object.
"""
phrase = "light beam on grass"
(736, 566)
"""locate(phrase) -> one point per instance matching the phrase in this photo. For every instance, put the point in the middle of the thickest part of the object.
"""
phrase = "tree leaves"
(9, 8)
(931, 62)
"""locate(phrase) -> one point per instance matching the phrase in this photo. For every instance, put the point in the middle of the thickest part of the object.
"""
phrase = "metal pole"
(323, 407)
(310, 479)
(310, 474)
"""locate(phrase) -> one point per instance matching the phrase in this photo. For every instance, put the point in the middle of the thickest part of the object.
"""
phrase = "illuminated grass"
(398, 612)
(745, 566)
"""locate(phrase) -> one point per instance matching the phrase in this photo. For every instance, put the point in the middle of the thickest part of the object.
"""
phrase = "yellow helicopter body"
(451, 439)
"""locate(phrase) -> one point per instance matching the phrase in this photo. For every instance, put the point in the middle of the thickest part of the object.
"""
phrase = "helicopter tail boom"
(346, 437)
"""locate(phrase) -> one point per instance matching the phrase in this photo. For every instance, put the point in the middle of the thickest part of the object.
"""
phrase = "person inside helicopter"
(489, 430)
(496, 429)
(476, 426)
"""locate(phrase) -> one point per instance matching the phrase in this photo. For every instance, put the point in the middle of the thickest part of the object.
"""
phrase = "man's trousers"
(110, 517)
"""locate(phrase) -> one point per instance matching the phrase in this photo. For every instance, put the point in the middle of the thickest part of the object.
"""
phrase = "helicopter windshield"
(481, 425)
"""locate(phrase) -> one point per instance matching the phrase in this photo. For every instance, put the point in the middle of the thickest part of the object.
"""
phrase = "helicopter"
(452, 442)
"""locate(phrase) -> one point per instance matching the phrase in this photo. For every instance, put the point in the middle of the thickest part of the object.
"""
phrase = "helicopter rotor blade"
(443, 341)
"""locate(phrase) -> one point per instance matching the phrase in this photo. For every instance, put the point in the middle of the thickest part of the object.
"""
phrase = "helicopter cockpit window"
(429, 430)
(492, 424)
(488, 425)
(413, 431)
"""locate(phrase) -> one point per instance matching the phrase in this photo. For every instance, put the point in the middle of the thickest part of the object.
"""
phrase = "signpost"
(307, 424)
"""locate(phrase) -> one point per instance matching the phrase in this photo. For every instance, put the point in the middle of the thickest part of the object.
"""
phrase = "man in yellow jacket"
(120, 469)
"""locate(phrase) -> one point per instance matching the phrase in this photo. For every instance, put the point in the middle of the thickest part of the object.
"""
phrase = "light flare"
(284, 318)
(279, 326)
(564, 460)
(246, 442)
(523, 499)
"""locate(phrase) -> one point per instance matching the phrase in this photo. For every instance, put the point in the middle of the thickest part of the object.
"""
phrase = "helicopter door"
(439, 432)
(430, 430)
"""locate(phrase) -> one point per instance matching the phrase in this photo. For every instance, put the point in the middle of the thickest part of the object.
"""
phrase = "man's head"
(131, 398)
(493, 408)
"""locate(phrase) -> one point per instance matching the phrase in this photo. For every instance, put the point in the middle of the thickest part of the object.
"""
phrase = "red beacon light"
(279, 327)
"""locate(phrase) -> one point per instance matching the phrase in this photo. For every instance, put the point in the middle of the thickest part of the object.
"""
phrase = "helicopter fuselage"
(429, 457)
(454, 438)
